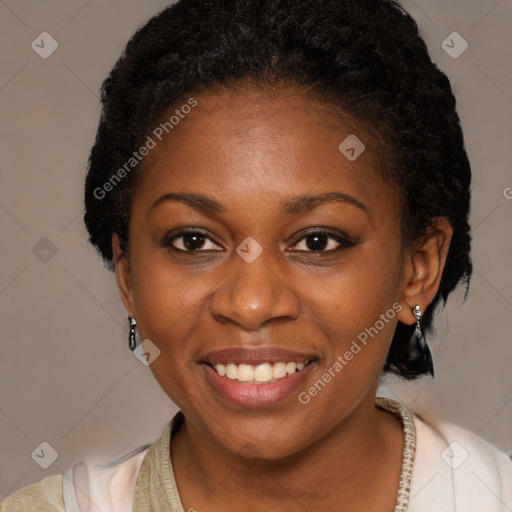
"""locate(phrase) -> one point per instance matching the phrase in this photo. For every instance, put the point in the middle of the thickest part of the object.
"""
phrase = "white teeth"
(279, 370)
(263, 372)
(258, 374)
(232, 371)
(245, 372)
(291, 367)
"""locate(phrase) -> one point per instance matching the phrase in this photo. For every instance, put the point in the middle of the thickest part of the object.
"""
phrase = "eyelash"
(344, 242)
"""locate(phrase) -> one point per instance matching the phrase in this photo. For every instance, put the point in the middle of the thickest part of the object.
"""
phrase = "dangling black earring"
(133, 332)
(424, 354)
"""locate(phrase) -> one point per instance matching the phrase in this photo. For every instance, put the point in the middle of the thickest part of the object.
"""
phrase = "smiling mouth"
(264, 373)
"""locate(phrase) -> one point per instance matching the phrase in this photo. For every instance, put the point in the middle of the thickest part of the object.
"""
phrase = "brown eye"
(320, 242)
(191, 241)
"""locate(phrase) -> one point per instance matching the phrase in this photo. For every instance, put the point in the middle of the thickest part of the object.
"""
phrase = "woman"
(282, 189)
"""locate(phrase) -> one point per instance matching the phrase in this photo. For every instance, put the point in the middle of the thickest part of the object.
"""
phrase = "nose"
(252, 294)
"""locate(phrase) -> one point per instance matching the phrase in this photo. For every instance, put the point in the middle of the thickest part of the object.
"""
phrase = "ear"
(123, 275)
(424, 265)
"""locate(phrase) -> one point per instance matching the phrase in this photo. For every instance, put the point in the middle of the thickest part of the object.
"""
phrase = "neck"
(357, 462)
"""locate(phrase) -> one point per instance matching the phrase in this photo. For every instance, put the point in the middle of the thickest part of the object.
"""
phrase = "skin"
(250, 151)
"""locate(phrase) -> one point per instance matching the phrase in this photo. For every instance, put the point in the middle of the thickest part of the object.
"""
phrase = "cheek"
(357, 311)
(166, 294)
(169, 303)
(352, 298)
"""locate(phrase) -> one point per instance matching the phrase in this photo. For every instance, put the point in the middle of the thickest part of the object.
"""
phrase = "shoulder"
(110, 486)
(455, 469)
(43, 496)
(103, 485)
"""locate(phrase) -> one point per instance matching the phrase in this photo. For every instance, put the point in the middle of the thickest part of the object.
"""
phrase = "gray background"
(67, 376)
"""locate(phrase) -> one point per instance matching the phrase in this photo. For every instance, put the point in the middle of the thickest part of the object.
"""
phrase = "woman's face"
(294, 257)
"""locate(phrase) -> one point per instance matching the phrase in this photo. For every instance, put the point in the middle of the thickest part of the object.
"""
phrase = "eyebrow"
(293, 206)
(302, 204)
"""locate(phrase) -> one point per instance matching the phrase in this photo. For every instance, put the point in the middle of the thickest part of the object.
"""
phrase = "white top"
(446, 468)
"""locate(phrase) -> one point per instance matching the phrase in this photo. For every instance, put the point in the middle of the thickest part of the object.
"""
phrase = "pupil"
(193, 241)
(319, 242)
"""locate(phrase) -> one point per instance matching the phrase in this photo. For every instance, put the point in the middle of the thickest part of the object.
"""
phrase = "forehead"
(264, 145)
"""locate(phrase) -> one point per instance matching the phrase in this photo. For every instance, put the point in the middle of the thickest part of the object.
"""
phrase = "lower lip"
(256, 396)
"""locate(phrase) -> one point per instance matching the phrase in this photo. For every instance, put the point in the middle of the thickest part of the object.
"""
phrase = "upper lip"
(255, 356)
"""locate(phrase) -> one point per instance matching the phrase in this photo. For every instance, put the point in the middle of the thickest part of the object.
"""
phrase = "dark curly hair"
(363, 58)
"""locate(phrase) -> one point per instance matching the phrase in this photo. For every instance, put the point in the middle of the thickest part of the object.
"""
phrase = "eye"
(320, 241)
(191, 241)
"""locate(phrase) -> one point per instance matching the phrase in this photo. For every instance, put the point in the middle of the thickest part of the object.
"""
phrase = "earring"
(418, 314)
(133, 331)
(420, 348)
